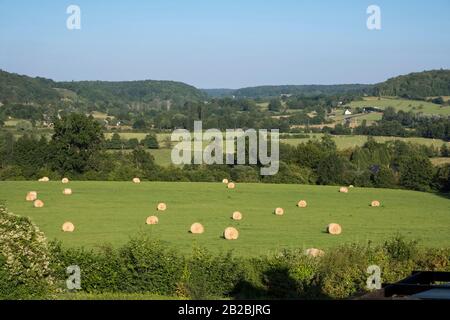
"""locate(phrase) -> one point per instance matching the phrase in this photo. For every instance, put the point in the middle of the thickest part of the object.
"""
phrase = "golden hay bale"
(313, 252)
(136, 180)
(231, 233)
(44, 179)
(237, 216)
(279, 211)
(152, 220)
(231, 185)
(343, 190)
(302, 204)
(334, 229)
(31, 196)
(197, 228)
(65, 180)
(67, 192)
(68, 227)
(375, 203)
(38, 204)
(225, 181)
(161, 206)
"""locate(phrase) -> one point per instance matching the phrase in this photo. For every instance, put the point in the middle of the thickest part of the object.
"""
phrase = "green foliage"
(417, 85)
(151, 141)
(24, 259)
(416, 172)
(75, 143)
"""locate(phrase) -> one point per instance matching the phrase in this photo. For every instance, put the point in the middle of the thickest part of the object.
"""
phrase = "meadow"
(112, 212)
(398, 104)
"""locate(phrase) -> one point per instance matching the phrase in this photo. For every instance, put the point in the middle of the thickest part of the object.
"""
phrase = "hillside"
(274, 91)
(133, 91)
(16, 89)
(417, 85)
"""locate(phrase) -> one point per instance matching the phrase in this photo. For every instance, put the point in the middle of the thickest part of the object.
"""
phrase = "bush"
(24, 259)
(150, 266)
(209, 276)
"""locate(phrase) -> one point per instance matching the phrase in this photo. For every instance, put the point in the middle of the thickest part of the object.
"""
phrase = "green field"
(350, 141)
(415, 106)
(111, 212)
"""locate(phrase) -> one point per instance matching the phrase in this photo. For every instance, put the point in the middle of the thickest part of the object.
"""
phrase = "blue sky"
(224, 43)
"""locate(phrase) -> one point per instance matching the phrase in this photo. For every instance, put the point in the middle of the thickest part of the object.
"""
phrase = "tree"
(151, 141)
(333, 169)
(384, 178)
(115, 142)
(76, 143)
(416, 172)
(275, 105)
(139, 124)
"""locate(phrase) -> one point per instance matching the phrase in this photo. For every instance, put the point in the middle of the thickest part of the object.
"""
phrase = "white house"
(348, 112)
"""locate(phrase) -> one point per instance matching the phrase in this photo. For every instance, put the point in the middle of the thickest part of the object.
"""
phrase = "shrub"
(149, 266)
(24, 259)
(209, 276)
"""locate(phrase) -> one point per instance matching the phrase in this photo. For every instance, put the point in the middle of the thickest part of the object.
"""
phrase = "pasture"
(112, 212)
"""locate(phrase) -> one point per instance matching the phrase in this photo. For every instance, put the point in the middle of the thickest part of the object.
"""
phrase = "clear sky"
(224, 43)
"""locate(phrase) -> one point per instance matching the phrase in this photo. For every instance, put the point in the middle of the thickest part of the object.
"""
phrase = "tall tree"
(76, 143)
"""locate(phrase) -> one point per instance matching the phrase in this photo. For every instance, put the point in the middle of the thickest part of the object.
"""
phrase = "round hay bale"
(351, 186)
(313, 252)
(225, 181)
(68, 227)
(136, 180)
(302, 204)
(343, 190)
(65, 180)
(31, 196)
(231, 185)
(197, 228)
(67, 192)
(231, 233)
(152, 220)
(44, 179)
(334, 229)
(279, 211)
(38, 204)
(237, 216)
(375, 203)
(161, 206)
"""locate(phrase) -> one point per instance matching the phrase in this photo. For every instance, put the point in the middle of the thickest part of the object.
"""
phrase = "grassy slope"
(403, 104)
(111, 212)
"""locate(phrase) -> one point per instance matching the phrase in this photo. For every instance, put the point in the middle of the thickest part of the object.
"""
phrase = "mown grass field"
(112, 212)
(398, 104)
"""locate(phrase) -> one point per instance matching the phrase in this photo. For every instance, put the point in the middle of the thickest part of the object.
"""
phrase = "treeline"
(77, 150)
(408, 124)
(305, 90)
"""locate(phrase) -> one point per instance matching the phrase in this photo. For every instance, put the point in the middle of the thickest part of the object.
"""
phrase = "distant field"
(403, 104)
(440, 161)
(112, 212)
(346, 142)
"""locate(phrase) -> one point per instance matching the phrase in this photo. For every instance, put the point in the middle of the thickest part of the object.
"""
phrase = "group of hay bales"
(32, 196)
(230, 233)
